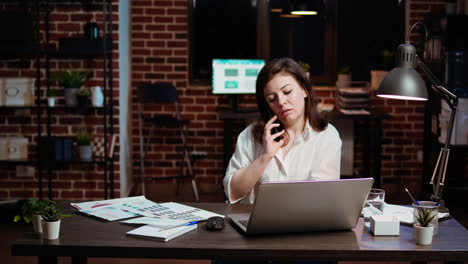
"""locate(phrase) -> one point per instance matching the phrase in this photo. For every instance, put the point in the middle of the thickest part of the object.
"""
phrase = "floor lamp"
(404, 82)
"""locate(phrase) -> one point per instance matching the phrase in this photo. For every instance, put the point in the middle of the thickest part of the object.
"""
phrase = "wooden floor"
(156, 192)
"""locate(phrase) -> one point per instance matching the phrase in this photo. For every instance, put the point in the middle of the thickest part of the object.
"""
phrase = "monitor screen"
(232, 76)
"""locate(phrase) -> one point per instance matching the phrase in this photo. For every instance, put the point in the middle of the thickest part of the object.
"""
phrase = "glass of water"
(374, 203)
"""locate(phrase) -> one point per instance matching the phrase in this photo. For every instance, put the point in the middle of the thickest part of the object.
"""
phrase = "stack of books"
(353, 97)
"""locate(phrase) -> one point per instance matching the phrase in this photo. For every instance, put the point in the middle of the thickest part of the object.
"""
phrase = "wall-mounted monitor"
(234, 76)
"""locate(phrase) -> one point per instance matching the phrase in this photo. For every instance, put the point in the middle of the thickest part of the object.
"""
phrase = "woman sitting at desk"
(303, 147)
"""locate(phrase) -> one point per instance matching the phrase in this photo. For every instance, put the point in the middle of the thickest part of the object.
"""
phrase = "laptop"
(287, 207)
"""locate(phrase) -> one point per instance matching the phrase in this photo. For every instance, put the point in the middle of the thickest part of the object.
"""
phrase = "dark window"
(222, 30)
(365, 29)
(352, 33)
(309, 39)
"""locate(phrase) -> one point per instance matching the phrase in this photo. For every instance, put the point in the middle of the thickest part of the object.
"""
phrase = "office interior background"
(174, 41)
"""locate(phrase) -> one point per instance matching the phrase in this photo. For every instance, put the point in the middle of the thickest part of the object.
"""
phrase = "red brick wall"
(159, 48)
(76, 181)
(160, 53)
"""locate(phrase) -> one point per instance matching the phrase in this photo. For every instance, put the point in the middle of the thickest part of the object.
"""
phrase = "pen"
(174, 226)
(414, 201)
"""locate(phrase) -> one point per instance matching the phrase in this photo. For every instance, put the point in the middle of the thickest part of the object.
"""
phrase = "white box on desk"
(16, 91)
(384, 225)
(13, 148)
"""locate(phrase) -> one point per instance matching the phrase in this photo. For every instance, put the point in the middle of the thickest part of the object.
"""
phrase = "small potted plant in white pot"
(306, 67)
(51, 216)
(423, 228)
(377, 75)
(31, 211)
(344, 77)
(83, 140)
(83, 97)
(51, 97)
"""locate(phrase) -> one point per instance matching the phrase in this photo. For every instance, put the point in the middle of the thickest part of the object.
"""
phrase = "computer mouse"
(215, 223)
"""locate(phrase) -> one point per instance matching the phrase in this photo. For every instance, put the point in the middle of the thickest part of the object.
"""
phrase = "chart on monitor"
(235, 76)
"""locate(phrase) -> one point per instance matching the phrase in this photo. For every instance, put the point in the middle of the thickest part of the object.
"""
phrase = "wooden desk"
(82, 237)
(372, 137)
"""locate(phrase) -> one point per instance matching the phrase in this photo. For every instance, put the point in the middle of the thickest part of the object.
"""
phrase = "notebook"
(154, 233)
(284, 207)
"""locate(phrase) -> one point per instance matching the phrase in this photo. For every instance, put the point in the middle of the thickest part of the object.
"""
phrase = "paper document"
(153, 233)
(116, 209)
(404, 213)
(174, 211)
(161, 223)
(136, 200)
(109, 213)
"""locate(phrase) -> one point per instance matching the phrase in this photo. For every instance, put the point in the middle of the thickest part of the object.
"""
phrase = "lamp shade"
(404, 82)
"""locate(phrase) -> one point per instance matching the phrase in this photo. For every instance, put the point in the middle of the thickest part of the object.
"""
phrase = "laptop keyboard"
(244, 222)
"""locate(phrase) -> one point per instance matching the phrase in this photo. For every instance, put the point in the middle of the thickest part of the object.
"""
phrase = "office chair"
(164, 93)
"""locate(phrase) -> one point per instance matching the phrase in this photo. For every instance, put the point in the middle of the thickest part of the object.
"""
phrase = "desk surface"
(83, 236)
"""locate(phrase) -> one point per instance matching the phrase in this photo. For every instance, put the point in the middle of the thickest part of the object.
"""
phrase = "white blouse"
(313, 156)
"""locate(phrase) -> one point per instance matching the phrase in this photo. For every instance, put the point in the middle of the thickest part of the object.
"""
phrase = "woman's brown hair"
(288, 66)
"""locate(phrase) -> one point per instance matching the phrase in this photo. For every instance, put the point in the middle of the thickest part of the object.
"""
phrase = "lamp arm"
(442, 161)
(437, 85)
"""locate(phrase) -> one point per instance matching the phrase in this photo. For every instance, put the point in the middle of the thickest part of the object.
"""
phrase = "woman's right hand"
(271, 146)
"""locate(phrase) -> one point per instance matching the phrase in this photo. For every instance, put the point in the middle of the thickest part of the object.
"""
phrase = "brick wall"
(160, 53)
(70, 181)
(159, 48)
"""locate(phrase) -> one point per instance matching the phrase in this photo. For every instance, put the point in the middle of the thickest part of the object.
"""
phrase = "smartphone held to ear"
(275, 129)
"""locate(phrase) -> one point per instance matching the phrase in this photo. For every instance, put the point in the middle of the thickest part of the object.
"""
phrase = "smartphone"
(275, 129)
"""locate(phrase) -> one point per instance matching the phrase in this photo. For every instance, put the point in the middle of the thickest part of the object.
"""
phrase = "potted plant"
(84, 145)
(83, 97)
(423, 228)
(51, 216)
(377, 76)
(72, 81)
(344, 76)
(31, 211)
(51, 95)
(306, 67)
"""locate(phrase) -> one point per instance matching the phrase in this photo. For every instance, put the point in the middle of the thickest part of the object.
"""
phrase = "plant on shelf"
(83, 139)
(344, 69)
(51, 95)
(72, 81)
(387, 59)
(84, 92)
(71, 78)
(344, 76)
(304, 65)
(83, 97)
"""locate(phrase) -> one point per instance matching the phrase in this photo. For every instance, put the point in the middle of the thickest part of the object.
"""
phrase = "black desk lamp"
(404, 82)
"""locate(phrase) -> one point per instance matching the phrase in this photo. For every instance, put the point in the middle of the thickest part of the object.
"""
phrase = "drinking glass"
(374, 203)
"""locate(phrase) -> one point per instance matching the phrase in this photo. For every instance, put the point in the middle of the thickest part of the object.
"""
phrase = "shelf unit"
(43, 57)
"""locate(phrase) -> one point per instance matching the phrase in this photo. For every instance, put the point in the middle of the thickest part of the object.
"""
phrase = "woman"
(305, 148)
